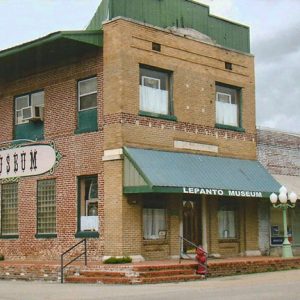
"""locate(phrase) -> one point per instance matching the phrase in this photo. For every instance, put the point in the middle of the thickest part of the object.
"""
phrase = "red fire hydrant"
(201, 257)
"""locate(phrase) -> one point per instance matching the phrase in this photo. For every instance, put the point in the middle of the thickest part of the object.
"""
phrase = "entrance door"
(191, 223)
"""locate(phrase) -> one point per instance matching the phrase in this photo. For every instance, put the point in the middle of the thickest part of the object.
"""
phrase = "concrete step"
(95, 273)
(164, 273)
(144, 268)
(97, 279)
(175, 278)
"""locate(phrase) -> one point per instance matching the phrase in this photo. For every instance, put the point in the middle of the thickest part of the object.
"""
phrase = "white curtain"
(154, 100)
(89, 223)
(226, 224)
(154, 221)
(226, 113)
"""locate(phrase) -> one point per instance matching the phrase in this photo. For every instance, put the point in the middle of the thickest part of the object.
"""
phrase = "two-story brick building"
(147, 121)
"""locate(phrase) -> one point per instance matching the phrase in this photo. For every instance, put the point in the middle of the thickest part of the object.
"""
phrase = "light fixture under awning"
(153, 171)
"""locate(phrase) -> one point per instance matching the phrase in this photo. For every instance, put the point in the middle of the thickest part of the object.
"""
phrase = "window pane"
(226, 220)
(22, 102)
(46, 207)
(226, 114)
(163, 77)
(225, 98)
(89, 101)
(151, 82)
(154, 220)
(37, 99)
(89, 220)
(9, 209)
(227, 105)
(154, 91)
(88, 86)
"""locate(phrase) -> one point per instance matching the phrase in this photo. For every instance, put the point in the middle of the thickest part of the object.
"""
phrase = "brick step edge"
(165, 267)
(177, 278)
(102, 274)
(106, 280)
(162, 273)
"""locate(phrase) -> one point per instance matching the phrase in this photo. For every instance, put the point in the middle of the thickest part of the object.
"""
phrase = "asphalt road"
(283, 285)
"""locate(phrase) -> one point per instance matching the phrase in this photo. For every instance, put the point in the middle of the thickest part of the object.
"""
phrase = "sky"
(274, 31)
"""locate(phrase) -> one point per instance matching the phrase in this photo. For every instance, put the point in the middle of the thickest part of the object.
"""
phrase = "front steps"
(139, 274)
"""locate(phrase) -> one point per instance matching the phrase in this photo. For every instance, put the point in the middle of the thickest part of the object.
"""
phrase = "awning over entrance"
(152, 171)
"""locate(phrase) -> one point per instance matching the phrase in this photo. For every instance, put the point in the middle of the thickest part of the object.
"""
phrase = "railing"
(62, 266)
(200, 255)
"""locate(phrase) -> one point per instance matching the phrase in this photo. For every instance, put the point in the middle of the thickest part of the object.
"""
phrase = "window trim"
(86, 94)
(170, 73)
(239, 127)
(79, 233)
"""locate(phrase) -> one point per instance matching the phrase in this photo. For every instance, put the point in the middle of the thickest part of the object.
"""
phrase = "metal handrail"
(62, 266)
(182, 240)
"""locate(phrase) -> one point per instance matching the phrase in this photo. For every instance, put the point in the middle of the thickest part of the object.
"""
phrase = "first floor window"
(227, 105)
(155, 90)
(46, 207)
(154, 220)
(88, 206)
(9, 209)
(227, 221)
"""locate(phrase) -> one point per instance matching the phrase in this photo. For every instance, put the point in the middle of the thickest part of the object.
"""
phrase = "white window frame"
(224, 94)
(151, 78)
(86, 94)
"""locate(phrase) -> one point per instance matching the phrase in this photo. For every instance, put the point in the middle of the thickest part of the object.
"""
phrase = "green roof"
(178, 13)
(177, 172)
(42, 52)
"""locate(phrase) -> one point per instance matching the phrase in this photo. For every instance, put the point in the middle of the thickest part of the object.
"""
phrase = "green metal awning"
(52, 49)
(152, 171)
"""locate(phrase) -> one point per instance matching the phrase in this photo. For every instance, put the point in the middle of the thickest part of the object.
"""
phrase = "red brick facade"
(196, 67)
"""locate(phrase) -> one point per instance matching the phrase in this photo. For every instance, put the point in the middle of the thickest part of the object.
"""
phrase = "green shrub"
(116, 260)
(1, 257)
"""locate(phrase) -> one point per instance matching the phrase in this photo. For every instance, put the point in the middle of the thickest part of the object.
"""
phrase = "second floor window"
(227, 105)
(87, 94)
(155, 91)
(26, 107)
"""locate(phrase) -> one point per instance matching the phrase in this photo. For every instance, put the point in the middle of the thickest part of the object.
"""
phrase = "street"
(275, 285)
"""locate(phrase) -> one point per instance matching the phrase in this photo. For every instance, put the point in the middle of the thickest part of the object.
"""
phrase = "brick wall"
(196, 67)
(279, 152)
(81, 156)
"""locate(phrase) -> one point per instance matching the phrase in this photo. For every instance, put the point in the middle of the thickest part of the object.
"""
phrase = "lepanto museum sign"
(221, 192)
(28, 160)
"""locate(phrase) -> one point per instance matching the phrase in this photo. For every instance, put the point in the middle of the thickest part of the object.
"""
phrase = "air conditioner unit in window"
(33, 113)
